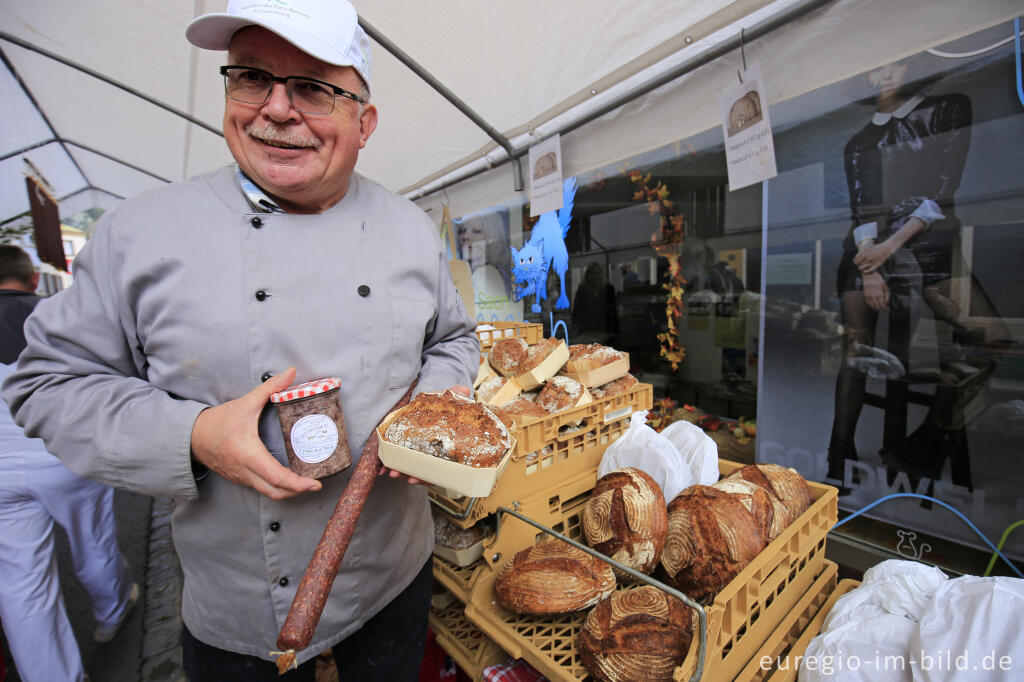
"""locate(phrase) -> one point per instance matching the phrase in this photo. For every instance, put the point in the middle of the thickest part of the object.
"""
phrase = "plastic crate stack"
(553, 455)
(771, 609)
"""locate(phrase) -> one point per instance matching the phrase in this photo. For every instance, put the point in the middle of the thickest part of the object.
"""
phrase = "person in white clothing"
(36, 490)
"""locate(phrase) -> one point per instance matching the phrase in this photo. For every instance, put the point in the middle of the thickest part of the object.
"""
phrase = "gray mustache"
(270, 133)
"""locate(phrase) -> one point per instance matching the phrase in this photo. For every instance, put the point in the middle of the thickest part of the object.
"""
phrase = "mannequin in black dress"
(902, 170)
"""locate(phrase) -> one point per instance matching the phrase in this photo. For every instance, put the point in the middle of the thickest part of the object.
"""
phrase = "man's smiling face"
(303, 161)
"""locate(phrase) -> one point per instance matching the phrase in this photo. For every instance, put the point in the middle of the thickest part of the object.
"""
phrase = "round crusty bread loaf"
(507, 355)
(560, 393)
(787, 485)
(636, 634)
(453, 427)
(626, 519)
(620, 385)
(584, 357)
(552, 577)
(760, 503)
(538, 353)
(711, 537)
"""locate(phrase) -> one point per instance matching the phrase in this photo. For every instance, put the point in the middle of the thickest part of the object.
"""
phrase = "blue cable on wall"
(1017, 59)
(939, 502)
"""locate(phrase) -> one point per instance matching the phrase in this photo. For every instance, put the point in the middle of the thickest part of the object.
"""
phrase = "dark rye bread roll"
(787, 485)
(636, 634)
(453, 427)
(551, 578)
(759, 502)
(711, 538)
(507, 355)
(626, 519)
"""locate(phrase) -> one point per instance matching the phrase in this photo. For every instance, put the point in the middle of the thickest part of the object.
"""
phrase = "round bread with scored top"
(785, 484)
(711, 538)
(551, 578)
(626, 519)
(768, 511)
(452, 427)
(636, 634)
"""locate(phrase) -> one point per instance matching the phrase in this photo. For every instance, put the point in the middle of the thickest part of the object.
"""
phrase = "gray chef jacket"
(184, 298)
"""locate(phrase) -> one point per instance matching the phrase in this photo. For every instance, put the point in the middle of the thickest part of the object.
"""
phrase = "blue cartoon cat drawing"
(545, 249)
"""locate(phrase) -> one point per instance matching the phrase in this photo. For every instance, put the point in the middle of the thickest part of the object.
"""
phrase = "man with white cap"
(194, 302)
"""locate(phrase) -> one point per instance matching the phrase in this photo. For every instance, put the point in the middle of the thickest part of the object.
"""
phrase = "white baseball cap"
(326, 29)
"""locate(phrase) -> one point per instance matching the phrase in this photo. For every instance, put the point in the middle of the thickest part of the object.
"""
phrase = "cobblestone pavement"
(161, 628)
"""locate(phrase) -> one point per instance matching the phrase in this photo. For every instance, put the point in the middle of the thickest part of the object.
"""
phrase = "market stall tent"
(76, 74)
(107, 99)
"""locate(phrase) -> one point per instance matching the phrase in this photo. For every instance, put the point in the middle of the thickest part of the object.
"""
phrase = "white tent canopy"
(519, 66)
(527, 69)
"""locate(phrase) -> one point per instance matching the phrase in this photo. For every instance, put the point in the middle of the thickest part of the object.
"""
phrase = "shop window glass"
(904, 378)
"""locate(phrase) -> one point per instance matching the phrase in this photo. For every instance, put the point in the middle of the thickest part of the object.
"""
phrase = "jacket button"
(363, 290)
(283, 582)
(261, 295)
(256, 222)
(266, 376)
(275, 526)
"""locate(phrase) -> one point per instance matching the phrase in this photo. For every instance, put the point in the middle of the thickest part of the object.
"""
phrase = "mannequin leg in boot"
(859, 324)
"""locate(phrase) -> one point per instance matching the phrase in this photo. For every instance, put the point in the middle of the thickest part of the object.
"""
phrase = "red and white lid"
(305, 390)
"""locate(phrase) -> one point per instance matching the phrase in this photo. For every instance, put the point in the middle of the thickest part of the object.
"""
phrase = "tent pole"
(442, 90)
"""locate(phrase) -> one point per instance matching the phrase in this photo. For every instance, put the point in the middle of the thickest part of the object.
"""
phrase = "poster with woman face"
(483, 242)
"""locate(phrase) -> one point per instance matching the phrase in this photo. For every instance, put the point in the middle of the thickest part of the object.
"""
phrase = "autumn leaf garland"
(666, 242)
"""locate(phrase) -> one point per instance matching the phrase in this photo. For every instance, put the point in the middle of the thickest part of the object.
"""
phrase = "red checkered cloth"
(513, 671)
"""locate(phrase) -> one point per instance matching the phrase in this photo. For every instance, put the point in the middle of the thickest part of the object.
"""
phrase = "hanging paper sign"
(749, 148)
(546, 176)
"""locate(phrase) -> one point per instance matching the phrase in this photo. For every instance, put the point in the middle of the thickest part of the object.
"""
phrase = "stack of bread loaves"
(714, 532)
(711, 534)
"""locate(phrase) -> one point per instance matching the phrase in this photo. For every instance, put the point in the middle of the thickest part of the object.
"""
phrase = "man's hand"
(226, 439)
(391, 473)
(876, 292)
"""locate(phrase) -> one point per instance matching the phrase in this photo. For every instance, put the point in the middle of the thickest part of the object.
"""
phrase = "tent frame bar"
(452, 98)
(743, 37)
(106, 79)
(42, 114)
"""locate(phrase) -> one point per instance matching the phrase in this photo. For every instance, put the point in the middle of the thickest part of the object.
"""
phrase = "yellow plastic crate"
(780, 643)
(551, 451)
(530, 332)
(458, 580)
(740, 620)
(470, 648)
(785, 661)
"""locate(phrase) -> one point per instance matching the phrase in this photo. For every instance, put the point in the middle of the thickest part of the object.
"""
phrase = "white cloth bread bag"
(696, 447)
(646, 449)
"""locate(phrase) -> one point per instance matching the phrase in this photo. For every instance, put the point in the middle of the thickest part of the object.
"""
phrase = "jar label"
(314, 438)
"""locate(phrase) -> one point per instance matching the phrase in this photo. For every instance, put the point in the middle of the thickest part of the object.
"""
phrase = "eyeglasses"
(310, 96)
